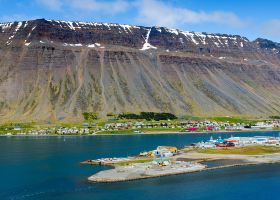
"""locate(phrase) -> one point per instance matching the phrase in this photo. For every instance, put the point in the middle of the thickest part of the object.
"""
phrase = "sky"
(249, 18)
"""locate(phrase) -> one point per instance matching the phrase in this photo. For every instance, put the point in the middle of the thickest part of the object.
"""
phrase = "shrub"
(90, 116)
(148, 116)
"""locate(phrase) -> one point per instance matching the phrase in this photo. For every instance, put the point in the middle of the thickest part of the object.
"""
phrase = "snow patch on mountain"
(172, 31)
(73, 45)
(14, 33)
(88, 25)
(91, 45)
(190, 35)
(5, 26)
(147, 45)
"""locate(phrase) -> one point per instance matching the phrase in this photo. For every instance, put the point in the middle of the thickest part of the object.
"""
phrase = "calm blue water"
(48, 168)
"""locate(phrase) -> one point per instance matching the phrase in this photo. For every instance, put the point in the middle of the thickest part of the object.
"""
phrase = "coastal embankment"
(144, 171)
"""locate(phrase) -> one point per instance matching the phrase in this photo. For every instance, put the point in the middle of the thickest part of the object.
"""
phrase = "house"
(205, 145)
(192, 129)
(167, 148)
(162, 154)
(17, 128)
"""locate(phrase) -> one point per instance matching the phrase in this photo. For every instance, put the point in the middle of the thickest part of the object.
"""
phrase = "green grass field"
(233, 120)
(250, 150)
(9, 127)
(127, 131)
(154, 130)
(124, 163)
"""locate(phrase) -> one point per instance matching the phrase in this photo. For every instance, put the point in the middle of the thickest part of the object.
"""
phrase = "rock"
(55, 70)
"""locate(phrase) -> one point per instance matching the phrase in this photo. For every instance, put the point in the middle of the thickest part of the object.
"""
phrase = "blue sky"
(250, 18)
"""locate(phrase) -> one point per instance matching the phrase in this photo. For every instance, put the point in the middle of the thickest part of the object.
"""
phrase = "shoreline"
(145, 133)
(97, 178)
(90, 179)
(207, 132)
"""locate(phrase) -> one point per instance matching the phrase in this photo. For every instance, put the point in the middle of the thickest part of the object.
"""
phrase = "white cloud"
(100, 6)
(51, 4)
(272, 28)
(155, 12)
(146, 12)
(113, 6)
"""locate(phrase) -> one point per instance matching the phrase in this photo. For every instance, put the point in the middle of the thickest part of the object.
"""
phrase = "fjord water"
(48, 168)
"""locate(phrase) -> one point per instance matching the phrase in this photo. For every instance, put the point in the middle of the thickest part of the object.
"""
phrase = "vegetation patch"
(148, 116)
(233, 120)
(274, 117)
(249, 150)
(15, 127)
(131, 162)
(126, 131)
(90, 116)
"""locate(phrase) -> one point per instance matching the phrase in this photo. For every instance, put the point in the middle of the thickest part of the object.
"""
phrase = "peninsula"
(166, 161)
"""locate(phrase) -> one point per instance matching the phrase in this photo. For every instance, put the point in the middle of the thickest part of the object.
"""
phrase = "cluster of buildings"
(161, 155)
(258, 125)
(192, 125)
(73, 131)
(136, 126)
(239, 142)
(52, 131)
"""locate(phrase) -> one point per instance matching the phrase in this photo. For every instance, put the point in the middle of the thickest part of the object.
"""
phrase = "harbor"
(168, 160)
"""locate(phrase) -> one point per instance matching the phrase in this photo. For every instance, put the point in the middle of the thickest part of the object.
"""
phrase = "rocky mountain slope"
(55, 70)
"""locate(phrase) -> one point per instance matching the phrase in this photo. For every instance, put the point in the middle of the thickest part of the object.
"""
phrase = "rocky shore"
(144, 171)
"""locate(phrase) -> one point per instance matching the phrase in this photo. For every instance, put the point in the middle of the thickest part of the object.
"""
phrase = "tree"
(90, 116)
(110, 114)
(148, 116)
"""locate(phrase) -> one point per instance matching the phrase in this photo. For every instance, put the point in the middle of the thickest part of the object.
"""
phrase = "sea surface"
(48, 168)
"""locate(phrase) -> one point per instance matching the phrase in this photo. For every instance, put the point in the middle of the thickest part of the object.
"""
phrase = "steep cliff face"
(55, 70)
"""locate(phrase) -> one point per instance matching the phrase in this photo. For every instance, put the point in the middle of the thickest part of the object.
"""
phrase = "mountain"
(55, 70)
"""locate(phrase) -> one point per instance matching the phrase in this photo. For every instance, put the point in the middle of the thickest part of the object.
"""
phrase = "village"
(168, 160)
(191, 125)
(144, 126)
